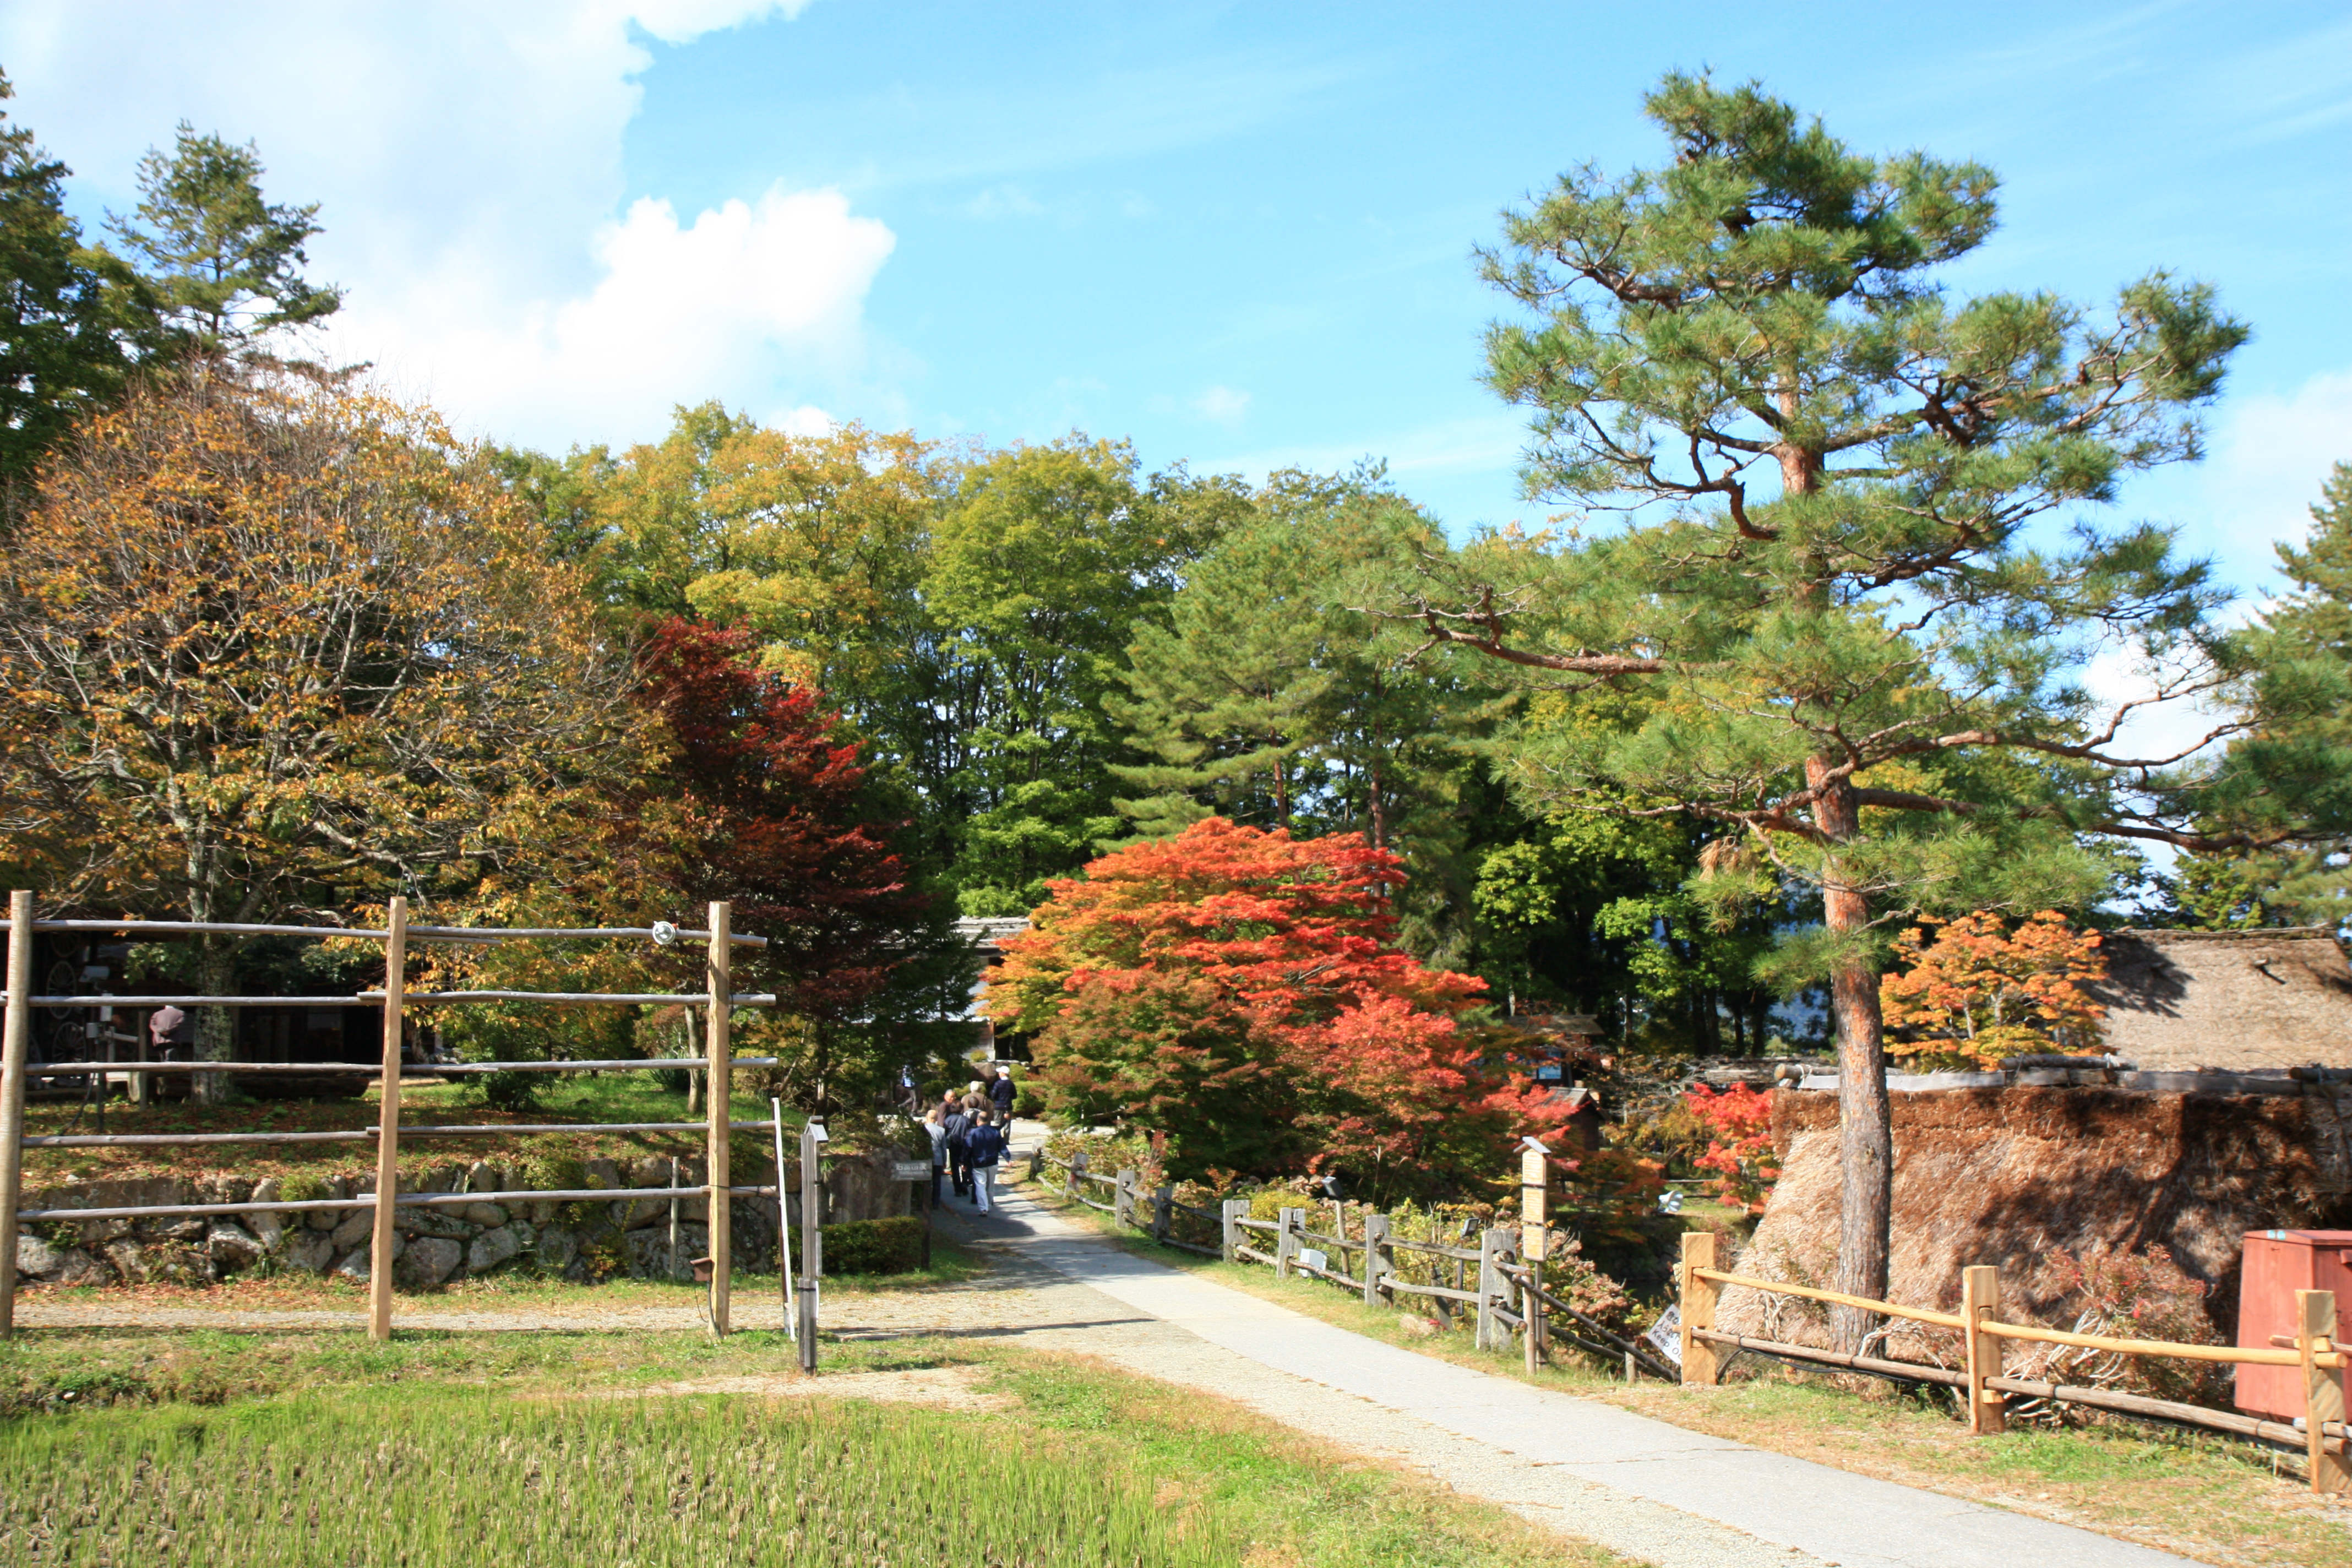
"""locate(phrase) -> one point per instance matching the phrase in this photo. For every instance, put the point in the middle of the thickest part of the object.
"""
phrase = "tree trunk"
(215, 1026)
(1866, 1138)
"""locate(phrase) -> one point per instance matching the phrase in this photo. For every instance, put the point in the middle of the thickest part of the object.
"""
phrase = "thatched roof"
(2006, 1177)
(2178, 1000)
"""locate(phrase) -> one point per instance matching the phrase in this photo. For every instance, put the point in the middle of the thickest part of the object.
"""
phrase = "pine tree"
(1828, 623)
(226, 263)
(74, 318)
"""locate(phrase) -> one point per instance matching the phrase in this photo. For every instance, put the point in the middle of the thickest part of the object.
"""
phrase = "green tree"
(74, 318)
(1827, 624)
(1042, 570)
(226, 263)
(2305, 651)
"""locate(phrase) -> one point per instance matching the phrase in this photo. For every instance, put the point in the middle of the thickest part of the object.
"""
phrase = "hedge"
(893, 1246)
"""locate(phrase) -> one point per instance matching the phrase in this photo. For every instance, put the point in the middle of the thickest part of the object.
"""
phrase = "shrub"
(2138, 1296)
(893, 1246)
(1739, 1148)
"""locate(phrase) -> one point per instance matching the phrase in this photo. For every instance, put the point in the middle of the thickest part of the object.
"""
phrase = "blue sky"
(1238, 235)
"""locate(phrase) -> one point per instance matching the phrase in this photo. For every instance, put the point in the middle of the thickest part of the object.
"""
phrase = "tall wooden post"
(812, 1244)
(1700, 1363)
(1979, 1300)
(1493, 1289)
(1535, 1179)
(719, 1167)
(16, 1046)
(1163, 1211)
(2322, 1392)
(1286, 1240)
(387, 1133)
(1232, 1213)
(1122, 1198)
(1377, 1260)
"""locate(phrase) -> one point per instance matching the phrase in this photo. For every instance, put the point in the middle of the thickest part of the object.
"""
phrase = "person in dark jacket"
(983, 1146)
(1000, 1098)
(958, 1123)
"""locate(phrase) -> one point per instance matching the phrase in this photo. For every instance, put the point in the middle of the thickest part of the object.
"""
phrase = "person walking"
(983, 1146)
(935, 1126)
(955, 1128)
(1001, 1095)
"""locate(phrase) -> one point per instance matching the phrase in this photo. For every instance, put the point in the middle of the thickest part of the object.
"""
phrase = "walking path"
(1641, 1487)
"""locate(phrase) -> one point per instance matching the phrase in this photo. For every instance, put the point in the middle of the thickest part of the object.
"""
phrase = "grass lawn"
(646, 1449)
(2204, 1497)
(628, 1097)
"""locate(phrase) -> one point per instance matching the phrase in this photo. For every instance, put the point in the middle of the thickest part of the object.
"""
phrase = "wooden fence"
(2320, 1432)
(1490, 1279)
(718, 1000)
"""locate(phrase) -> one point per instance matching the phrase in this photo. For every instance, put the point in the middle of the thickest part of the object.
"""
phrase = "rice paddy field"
(647, 1450)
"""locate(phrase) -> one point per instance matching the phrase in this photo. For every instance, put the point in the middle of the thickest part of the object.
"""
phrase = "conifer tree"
(74, 318)
(226, 263)
(1835, 616)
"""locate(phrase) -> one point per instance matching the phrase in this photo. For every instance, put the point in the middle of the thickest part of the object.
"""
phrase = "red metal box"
(2278, 1263)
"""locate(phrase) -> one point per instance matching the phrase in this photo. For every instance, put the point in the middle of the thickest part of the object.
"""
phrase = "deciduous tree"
(1982, 990)
(268, 646)
(1275, 998)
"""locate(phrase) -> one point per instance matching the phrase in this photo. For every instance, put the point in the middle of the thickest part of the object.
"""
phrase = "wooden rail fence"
(717, 1000)
(2320, 1432)
(1490, 1279)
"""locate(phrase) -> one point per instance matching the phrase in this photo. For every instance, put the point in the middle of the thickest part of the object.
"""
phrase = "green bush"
(893, 1246)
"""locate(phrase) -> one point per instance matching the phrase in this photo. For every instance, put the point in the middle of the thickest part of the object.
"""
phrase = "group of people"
(968, 1135)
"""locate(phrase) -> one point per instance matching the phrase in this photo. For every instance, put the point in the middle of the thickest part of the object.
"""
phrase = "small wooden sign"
(1535, 1177)
(910, 1169)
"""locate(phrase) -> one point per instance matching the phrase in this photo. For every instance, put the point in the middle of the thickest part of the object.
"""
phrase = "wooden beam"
(1981, 1299)
(15, 1045)
(717, 1102)
(1701, 1365)
(387, 1139)
(2323, 1392)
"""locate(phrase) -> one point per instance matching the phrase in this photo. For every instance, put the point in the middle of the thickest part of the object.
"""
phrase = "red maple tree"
(1241, 993)
(769, 807)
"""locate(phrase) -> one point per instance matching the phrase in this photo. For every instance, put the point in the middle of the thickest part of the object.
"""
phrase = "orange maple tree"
(1240, 993)
(1981, 991)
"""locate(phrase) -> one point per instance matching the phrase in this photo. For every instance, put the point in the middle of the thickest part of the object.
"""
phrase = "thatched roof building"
(2008, 1176)
(2180, 1000)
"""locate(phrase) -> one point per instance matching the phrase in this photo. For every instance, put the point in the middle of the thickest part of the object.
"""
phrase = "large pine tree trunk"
(1866, 1136)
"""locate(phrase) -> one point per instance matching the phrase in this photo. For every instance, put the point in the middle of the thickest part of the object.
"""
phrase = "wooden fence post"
(1700, 1363)
(1163, 1211)
(1979, 1300)
(387, 1133)
(719, 1169)
(2322, 1392)
(1232, 1211)
(1122, 1198)
(1036, 1162)
(1286, 1240)
(1077, 1174)
(15, 1048)
(1492, 1288)
(1535, 1181)
(1378, 1261)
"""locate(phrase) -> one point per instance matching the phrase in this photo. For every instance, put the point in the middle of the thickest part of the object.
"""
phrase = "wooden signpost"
(1535, 1181)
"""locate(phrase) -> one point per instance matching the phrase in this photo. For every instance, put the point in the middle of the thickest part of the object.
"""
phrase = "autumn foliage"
(769, 807)
(1739, 1153)
(1982, 991)
(1240, 994)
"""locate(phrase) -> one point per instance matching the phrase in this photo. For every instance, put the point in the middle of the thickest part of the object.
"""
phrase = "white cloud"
(2267, 456)
(467, 161)
(1222, 405)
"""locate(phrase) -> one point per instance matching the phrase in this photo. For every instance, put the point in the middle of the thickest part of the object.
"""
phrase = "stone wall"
(584, 1242)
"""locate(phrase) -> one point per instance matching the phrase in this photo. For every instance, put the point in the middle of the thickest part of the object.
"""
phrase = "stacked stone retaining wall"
(584, 1242)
